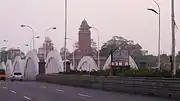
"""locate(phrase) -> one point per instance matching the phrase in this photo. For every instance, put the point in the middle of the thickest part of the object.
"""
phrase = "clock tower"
(85, 39)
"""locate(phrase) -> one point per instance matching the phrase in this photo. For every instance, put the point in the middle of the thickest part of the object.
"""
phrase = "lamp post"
(98, 46)
(33, 33)
(159, 27)
(36, 37)
(73, 52)
(52, 28)
(173, 39)
(65, 36)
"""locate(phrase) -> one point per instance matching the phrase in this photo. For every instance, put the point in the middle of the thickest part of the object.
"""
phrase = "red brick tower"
(85, 39)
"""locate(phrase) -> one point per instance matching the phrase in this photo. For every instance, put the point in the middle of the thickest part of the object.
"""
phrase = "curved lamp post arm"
(33, 32)
(51, 28)
(157, 5)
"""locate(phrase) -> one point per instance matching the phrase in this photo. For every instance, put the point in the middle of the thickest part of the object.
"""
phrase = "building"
(84, 44)
(10, 54)
(45, 49)
(13, 52)
(84, 41)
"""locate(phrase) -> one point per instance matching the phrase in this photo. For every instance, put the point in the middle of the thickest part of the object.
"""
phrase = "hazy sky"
(126, 18)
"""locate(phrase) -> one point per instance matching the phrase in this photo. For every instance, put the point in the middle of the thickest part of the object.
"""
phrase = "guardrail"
(163, 87)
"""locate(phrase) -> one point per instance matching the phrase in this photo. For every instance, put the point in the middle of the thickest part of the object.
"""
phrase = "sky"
(127, 18)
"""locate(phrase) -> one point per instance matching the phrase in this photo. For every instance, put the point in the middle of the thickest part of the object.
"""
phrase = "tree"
(120, 42)
(93, 45)
(178, 59)
(141, 58)
(62, 50)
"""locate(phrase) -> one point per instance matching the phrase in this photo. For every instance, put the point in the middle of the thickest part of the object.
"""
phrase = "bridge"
(34, 90)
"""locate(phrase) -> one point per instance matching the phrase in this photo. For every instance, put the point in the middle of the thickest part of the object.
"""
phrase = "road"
(35, 91)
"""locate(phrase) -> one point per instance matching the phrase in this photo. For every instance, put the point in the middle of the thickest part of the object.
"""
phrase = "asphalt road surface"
(34, 91)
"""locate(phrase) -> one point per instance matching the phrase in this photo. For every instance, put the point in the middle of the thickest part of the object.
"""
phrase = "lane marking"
(84, 95)
(4, 87)
(27, 98)
(43, 87)
(59, 90)
(13, 91)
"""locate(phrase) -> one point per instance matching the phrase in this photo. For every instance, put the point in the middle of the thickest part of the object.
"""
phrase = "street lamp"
(36, 37)
(159, 38)
(73, 52)
(173, 39)
(33, 33)
(51, 28)
(98, 46)
(45, 55)
(65, 36)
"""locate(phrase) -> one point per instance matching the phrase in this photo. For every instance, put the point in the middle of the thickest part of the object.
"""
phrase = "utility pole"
(173, 40)
(65, 36)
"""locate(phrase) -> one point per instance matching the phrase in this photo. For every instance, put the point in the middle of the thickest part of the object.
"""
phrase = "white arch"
(9, 68)
(107, 63)
(87, 63)
(17, 64)
(31, 65)
(132, 63)
(54, 63)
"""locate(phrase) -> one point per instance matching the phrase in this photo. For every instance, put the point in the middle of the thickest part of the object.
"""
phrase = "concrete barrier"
(163, 87)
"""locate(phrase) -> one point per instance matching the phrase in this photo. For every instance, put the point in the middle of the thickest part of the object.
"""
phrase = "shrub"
(146, 73)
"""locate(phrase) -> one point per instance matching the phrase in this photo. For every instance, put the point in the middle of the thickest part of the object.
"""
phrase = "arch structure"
(87, 63)
(31, 65)
(9, 68)
(18, 64)
(54, 63)
(132, 63)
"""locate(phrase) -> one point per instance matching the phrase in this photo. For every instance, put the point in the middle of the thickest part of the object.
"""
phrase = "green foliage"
(146, 61)
(146, 73)
(96, 73)
(117, 41)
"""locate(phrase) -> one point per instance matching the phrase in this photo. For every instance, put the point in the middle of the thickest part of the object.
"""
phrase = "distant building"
(13, 52)
(84, 41)
(85, 45)
(62, 50)
(45, 49)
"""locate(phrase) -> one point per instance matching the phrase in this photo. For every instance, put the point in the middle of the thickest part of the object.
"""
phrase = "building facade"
(84, 47)
(45, 49)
